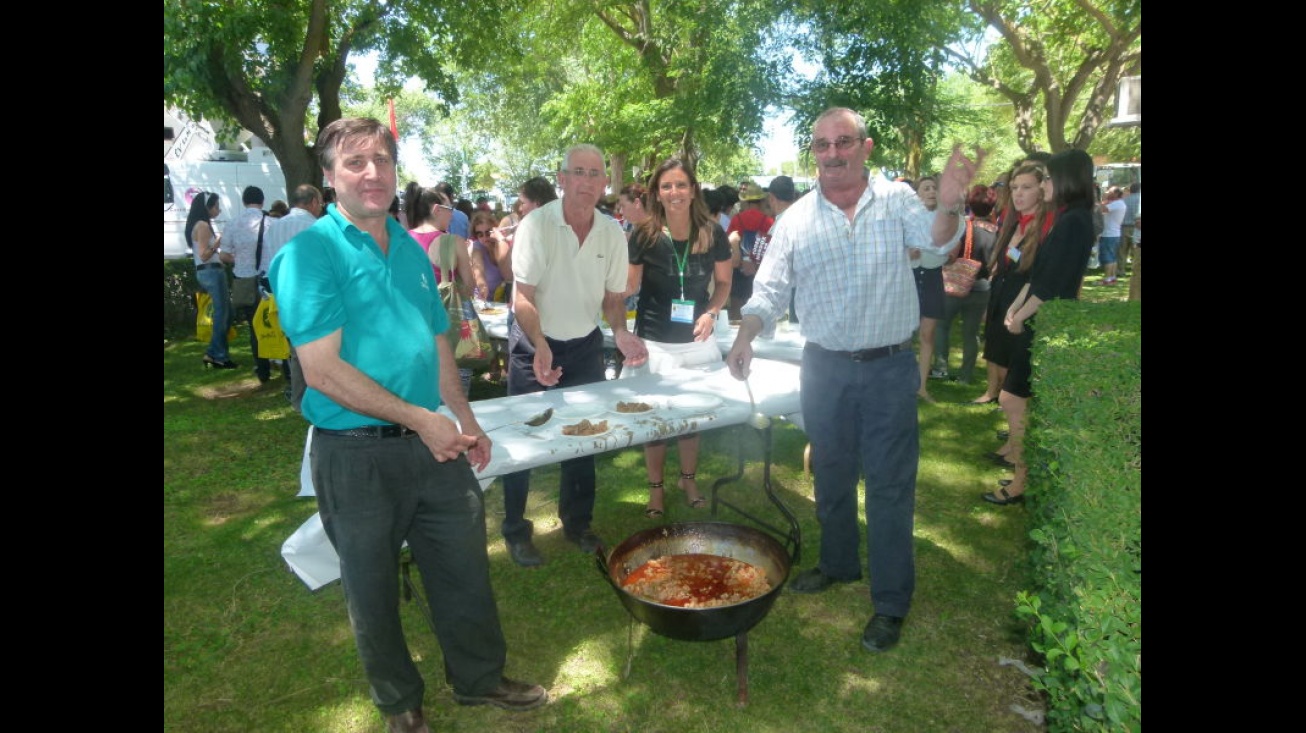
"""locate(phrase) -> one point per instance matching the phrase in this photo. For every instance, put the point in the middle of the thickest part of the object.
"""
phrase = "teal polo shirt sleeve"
(333, 276)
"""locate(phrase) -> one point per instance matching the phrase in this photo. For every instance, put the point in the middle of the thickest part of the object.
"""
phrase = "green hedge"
(1085, 452)
(179, 288)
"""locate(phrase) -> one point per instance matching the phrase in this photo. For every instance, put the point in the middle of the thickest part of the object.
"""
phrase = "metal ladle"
(757, 419)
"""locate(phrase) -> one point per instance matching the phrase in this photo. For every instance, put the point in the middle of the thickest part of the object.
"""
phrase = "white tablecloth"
(786, 344)
(723, 402)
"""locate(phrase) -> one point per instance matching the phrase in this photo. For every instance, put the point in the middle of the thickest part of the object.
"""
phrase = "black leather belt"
(371, 431)
(207, 265)
(878, 352)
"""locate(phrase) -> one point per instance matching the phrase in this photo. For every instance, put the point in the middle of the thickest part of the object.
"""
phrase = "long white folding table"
(786, 344)
(685, 400)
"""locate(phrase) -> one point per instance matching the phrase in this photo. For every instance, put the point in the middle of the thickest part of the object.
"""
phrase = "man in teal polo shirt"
(358, 300)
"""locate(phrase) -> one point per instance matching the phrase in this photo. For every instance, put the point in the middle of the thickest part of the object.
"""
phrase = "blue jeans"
(861, 419)
(1106, 249)
(214, 282)
(376, 493)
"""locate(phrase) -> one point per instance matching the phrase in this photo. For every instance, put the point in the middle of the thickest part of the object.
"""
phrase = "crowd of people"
(857, 262)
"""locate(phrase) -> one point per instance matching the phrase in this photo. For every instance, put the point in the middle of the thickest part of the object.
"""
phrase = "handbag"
(244, 292)
(959, 275)
(272, 341)
(467, 335)
(204, 318)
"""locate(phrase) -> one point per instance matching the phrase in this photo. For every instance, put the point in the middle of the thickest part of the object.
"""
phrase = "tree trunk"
(617, 171)
(1136, 275)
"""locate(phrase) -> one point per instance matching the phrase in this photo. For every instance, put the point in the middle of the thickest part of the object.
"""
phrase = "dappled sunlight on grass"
(249, 648)
(593, 663)
(350, 716)
(852, 684)
(957, 550)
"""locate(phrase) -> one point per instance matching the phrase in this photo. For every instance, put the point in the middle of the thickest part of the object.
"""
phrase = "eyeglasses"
(842, 143)
(581, 172)
(442, 206)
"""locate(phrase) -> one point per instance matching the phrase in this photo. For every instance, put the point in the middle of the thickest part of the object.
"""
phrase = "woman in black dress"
(1014, 254)
(1057, 273)
(680, 265)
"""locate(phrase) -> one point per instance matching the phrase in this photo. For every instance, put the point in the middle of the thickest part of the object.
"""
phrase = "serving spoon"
(533, 422)
(541, 418)
(756, 419)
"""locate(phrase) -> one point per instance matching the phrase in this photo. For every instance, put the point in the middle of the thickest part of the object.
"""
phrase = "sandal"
(694, 503)
(650, 511)
(993, 497)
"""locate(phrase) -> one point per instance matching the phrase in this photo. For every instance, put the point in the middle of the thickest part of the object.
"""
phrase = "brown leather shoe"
(410, 722)
(509, 695)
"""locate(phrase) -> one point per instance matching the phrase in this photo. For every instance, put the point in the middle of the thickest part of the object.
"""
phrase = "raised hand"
(954, 183)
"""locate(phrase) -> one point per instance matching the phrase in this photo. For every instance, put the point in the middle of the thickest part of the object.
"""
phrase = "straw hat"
(751, 192)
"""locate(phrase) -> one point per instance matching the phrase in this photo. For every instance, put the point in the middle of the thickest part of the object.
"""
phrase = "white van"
(227, 176)
(1118, 174)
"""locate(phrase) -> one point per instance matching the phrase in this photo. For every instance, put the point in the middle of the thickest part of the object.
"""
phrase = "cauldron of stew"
(697, 538)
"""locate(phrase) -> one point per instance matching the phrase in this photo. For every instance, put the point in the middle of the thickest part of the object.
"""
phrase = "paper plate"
(654, 404)
(582, 437)
(696, 402)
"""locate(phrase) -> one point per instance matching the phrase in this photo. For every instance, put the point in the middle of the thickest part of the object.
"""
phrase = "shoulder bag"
(959, 275)
(467, 335)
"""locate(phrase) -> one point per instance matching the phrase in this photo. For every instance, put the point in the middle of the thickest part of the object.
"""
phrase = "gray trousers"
(373, 495)
(972, 309)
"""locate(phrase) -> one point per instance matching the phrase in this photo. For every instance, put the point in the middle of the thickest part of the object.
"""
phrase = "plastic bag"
(272, 342)
(204, 319)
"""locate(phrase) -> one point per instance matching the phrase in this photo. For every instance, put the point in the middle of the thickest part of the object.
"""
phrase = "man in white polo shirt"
(567, 265)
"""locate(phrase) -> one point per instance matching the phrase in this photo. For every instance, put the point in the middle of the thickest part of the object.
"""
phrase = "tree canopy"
(1064, 61)
(268, 64)
(648, 79)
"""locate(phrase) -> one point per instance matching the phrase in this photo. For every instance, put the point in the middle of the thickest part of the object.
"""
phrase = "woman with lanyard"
(680, 266)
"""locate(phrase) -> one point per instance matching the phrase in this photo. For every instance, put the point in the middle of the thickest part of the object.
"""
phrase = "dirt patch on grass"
(229, 390)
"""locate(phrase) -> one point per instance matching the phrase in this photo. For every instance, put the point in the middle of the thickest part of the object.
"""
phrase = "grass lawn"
(248, 648)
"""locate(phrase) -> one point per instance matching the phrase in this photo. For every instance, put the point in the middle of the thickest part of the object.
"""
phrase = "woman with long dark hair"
(211, 272)
(430, 214)
(680, 264)
(1057, 273)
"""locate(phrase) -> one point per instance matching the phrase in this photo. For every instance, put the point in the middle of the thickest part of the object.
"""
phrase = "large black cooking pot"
(713, 538)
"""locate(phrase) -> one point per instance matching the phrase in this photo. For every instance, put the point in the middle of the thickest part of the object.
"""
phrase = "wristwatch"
(712, 314)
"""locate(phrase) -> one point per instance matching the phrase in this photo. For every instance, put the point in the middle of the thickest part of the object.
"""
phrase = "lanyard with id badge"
(682, 311)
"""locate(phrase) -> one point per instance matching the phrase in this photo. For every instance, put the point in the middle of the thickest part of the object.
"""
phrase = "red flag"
(394, 126)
